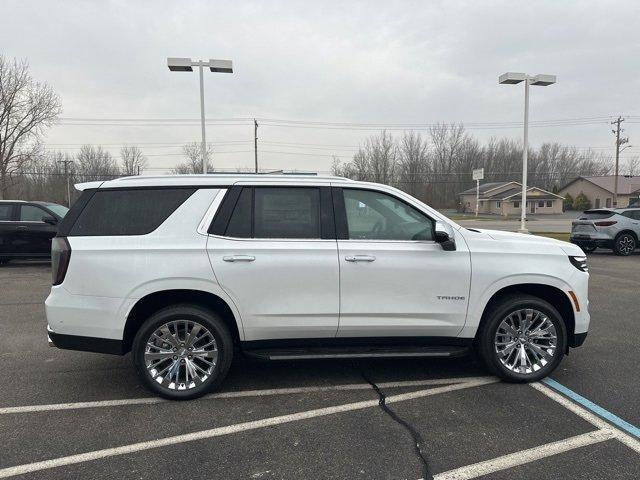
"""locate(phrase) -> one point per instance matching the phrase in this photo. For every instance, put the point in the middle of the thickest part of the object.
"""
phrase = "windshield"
(59, 210)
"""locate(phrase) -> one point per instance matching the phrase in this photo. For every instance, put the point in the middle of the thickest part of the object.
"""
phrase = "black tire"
(485, 339)
(193, 313)
(624, 244)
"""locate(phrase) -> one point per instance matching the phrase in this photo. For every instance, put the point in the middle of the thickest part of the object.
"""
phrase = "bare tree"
(133, 161)
(193, 163)
(26, 109)
(633, 165)
(94, 163)
(413, 165)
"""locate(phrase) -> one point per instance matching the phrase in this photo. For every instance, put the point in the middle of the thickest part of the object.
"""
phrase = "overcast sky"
(344, 62)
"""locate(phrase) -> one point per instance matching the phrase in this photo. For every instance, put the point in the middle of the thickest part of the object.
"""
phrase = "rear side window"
(287, 213)
(5, 212)
(275, 212)
(128, 212)
(596, 215)
(240, 222)
(634, 214)
(29, 213)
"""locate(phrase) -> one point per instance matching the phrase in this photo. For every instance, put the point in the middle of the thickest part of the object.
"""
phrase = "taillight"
(60, 256)
(607, 223)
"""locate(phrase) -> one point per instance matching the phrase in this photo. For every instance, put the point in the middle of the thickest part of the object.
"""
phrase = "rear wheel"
(625, 244)
(183, 352)
(523, 339)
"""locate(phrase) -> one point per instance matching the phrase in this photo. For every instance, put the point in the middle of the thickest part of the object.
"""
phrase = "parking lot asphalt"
(67, 415)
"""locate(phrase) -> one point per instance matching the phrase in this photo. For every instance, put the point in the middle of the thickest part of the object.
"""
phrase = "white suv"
(188, 271)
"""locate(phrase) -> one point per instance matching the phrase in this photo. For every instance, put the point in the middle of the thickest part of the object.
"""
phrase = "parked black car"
(26, 228)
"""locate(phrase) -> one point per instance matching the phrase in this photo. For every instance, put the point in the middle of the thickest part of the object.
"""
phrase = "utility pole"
(619, 142)
(255, 141)
(66, 173)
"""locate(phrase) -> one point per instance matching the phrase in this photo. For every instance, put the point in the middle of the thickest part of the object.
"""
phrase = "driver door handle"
(360, 258)
(239, 258)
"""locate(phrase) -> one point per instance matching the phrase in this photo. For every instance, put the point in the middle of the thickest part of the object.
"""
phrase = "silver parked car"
(616, 229)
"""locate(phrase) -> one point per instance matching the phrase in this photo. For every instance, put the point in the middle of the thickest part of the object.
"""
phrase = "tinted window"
(286, 212)
(635, 214)
(59, 210)
(595, 214)
(128, 212)
(29, 213)
(240, 221)
(377, 216)
(5, 212)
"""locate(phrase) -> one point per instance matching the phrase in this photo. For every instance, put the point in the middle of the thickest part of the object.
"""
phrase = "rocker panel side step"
(357, 352)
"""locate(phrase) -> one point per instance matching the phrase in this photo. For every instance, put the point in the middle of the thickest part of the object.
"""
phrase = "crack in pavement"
(418, 442)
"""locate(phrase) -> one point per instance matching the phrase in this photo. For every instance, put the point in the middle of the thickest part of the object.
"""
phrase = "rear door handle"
(22, 227)
(360, 258)
(239, 258)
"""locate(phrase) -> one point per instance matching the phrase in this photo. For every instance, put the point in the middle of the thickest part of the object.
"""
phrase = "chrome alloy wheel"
(181, 355)
(525, 341)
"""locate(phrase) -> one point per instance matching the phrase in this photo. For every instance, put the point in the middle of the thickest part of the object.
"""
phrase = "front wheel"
(183, 352)
(523, 339)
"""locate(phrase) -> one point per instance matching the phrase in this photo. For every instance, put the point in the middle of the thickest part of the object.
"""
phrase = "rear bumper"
(587, 240)
(85, 344)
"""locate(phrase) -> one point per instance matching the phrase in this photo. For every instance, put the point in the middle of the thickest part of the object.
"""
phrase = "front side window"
(377, 216)
(29, 213)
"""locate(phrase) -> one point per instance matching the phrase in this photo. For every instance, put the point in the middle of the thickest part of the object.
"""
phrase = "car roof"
(204, 180)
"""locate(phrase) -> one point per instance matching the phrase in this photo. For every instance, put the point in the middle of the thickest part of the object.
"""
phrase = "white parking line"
(525, 456)
(606, 431)
(241, 427)
(585, 414)
(238, 394)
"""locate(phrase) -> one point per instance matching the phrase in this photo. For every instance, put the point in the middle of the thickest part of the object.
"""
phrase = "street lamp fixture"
(540, 80)
(176, 64)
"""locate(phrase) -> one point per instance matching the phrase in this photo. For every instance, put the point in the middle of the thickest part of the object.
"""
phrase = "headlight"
(580, 263)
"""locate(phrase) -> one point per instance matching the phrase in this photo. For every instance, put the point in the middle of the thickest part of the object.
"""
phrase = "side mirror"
(50, 219)
(444, 236)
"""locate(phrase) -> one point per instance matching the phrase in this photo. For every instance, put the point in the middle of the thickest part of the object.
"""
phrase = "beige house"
(505, 198)
(599, 190)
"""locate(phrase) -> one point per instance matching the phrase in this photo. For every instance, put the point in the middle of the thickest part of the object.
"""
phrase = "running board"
(357, 352)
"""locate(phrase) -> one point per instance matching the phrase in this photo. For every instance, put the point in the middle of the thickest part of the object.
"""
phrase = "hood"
(568, 248)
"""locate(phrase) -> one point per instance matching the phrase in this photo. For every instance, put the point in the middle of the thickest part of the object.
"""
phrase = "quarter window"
(128, 212)
(29, 213)
(378, 216)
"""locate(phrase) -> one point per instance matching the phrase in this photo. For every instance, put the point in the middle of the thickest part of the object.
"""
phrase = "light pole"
(511, 78)
(186, 65)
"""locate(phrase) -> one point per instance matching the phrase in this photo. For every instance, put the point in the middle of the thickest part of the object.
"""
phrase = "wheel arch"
(152, 302)
(629, 231)
(554, 295)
